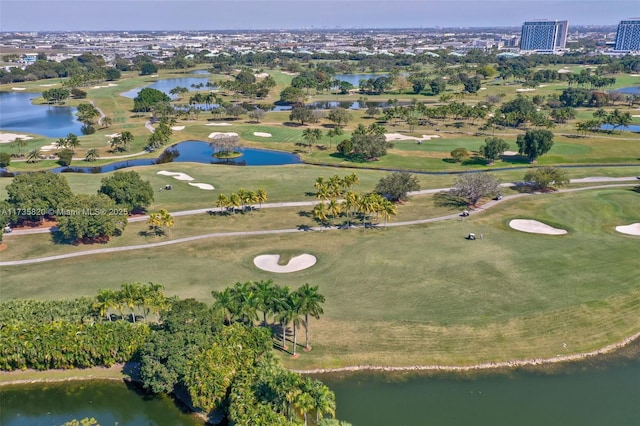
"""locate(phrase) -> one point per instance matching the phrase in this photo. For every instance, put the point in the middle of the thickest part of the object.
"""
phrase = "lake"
(192, 152)
(633, 90)
(167, 84)
(18, 114)
(583, 395)
(355, 78)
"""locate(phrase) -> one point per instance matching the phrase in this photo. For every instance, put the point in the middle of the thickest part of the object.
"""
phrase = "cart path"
(279, 231)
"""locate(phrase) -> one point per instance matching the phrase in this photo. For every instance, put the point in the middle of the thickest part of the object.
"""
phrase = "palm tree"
(295, 317)
(234, 202)
(304, 403)
(34, 156)
(332, 133)
(264, 292)
(387, 209)
(334, 207)
(323, 399)
(350, 203)
(106, 121)
(222, 203)
(262, 196)
(309, 305)
(320, 212)
(72, 141)
(247, 302)
(311, 136)
(105, 300)
(126, 138)
(61, 143)
(243, 196)
(92, 155)
(226, 302)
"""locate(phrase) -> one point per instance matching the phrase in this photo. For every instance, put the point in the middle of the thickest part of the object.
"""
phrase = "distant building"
(628, 35)
(29, 58)
(547, 36)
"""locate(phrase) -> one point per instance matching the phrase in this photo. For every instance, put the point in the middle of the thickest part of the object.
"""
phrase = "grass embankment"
(419, 294)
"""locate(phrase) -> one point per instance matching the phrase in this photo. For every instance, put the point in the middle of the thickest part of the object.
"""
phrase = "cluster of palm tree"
(615, 119)
(71, 141)
(161, 134)
(159, 221)
(243, 200)
(207, 99)
(339, 200)
(121, 142)
(243, 302)
(134, 300)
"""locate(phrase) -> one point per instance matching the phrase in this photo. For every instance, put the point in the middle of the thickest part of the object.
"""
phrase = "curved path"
(272, 231)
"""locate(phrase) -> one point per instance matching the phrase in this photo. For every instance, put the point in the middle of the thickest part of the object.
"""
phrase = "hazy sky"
(64, 15)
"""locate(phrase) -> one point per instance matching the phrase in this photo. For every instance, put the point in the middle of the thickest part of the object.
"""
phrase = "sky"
(128, 15)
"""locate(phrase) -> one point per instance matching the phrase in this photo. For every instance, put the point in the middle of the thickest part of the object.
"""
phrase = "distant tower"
(544, 35)
(628, 35)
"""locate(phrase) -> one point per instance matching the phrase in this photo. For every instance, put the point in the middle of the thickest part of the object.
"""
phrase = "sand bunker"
(18, 88)
(525, 90)
(261, 75)
(269, 262)
(221, 135)
(204, 186)
(11, 137)
(49, 147)
(218, 124)
(176, 175)
(177, 127)
(510, 153)
(48, 85)
(633, 229)
(535, 227)
(401, 137)
(262, 134)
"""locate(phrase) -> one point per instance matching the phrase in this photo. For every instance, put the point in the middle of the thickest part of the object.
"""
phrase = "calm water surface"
(594, 396)
(18, 114)
(599, 397)
(167, 84)
(110, 403)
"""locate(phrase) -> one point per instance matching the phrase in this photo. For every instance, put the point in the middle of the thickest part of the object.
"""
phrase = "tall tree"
(128, 190)
(310, 302)
(493, 148)
(311, 137)
(473, 186)
(535, 143)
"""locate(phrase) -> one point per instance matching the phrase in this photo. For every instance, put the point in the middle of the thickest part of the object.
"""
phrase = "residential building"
(628, 35)
(544, 35)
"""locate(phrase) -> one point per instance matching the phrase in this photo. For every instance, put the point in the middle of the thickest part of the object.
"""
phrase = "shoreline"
(436, 368)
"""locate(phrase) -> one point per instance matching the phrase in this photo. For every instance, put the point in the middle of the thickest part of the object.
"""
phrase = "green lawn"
(419, 294)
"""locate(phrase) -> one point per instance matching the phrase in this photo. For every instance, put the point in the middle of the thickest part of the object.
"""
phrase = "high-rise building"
(544, 35)
(628, 35)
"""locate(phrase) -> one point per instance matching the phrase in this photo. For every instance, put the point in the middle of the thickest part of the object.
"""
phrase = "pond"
(355, 78)
(18, 114)
(633, 90)
(167, 84)
(111, 403)
(193, 152)
(630, 128)
(583, 395)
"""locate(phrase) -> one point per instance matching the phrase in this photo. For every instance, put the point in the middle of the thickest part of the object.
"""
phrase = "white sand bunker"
(633, 229)
(177, 127)
(113, 135)
(176, 175)
(218, 124)
(204, 186)
(51, 147)
(510, 153)
(535, 227)
(401, 137)
(262, 134)
(261, 75)
(269, 262)
(221, 135)
(11, 137)
(525, 90)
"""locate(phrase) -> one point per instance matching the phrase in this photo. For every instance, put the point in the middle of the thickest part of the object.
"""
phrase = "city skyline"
(185, 15)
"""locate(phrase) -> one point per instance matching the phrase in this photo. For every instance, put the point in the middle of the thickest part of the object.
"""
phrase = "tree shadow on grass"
(446, 199)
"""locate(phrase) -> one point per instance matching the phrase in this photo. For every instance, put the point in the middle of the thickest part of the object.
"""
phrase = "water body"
(111, 403)
(193, 152)
(633, 90)
(600, 396)
(631, 128)
(18, 114)
(167, 84)
(355, 78)
(583, 397)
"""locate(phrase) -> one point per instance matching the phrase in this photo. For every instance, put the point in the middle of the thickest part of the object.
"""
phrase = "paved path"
(273, 231)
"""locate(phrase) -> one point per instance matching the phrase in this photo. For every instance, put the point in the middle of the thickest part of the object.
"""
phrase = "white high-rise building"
(545, 36)
(628, 35)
